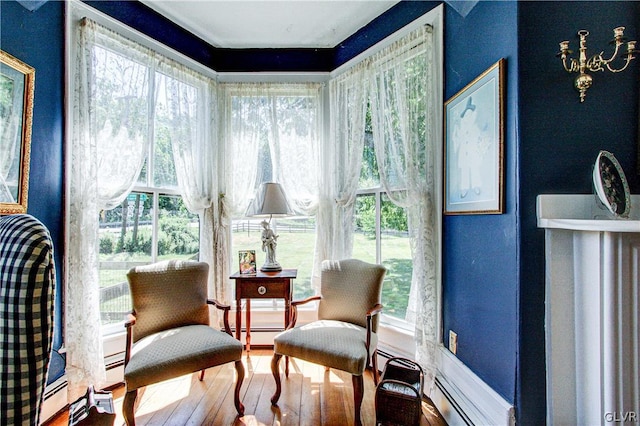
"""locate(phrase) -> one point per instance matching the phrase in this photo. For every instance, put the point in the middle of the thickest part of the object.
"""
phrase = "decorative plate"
(611, 185)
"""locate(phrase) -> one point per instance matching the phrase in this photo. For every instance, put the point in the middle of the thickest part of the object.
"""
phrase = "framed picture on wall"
(16, 114)
(474, 146)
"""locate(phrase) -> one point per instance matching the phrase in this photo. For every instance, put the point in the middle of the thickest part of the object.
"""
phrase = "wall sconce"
(596, 63)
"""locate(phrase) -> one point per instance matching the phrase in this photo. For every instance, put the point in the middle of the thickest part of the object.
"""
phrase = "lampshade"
(270, 200)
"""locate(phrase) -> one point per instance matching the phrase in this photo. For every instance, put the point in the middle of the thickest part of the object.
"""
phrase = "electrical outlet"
(453, 342)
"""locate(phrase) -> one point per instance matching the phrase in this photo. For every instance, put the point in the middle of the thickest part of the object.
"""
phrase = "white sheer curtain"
(244, 123)
(295, 143)
(403, 102)
(271, 134)
(348, 106)
(191, 115)
(107, 150)
(239, 165)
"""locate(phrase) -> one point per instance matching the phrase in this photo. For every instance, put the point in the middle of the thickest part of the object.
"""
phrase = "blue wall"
(480, 265)
(559, 139)
(37, 38)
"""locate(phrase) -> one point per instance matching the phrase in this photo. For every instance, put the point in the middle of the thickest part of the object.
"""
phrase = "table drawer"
(264, 290)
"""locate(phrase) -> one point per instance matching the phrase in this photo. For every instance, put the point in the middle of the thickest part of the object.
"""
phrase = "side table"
(263, 285)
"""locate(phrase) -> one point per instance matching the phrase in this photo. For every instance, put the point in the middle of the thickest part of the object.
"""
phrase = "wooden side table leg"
(238, 319)
(287, 320)
(248, 325)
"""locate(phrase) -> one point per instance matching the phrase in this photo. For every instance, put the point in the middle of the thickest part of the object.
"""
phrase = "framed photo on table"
(16, 114)
(474, 146)
(247, 259)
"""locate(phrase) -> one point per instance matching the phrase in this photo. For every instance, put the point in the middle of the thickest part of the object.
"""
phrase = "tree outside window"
(151, 224)
(381, 232)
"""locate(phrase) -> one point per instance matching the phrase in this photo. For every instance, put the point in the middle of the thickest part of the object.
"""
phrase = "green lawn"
(294, 250)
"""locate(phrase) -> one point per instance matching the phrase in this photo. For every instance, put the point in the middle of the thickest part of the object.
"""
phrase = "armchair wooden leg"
(236, 393)
(275, 370)
(128, 405)
(358, 393)
(374, 366)
(286, 367)
(201, 378)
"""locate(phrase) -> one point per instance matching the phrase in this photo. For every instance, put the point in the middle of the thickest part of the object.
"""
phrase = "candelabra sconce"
(595, 63)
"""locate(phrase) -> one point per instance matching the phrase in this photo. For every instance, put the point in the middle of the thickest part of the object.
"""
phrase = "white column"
(591, 313)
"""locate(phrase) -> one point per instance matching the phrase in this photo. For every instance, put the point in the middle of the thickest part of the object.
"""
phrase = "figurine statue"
(269, 243)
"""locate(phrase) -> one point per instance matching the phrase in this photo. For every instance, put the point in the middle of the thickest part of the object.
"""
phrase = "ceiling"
(270, 23)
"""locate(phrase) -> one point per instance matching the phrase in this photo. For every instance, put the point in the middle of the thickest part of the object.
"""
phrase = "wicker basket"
(399, 393)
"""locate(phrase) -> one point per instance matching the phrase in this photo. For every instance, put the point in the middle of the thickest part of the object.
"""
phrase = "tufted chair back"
(349, 289)
(167, 295)
(27, 282)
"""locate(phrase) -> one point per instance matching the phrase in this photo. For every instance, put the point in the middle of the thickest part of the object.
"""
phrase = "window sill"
(397, 341)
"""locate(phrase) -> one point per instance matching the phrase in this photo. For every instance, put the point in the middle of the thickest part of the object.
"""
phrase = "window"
(152, 223)
(272, 136)
(296, 240)
(381, 235)
(146, 227)
(140, 145)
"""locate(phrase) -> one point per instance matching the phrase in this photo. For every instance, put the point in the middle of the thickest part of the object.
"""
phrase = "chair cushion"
(173, 353)
(334, 344)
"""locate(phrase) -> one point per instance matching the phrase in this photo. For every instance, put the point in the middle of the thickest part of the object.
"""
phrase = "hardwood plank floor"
(311, 396)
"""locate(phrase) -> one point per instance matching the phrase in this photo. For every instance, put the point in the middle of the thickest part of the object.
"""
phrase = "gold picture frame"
(17, 85)
(474, 146)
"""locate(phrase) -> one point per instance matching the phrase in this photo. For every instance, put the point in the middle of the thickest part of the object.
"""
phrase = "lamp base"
(271, 267)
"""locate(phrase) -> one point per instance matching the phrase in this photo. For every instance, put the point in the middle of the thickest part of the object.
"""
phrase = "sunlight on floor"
(305, 397)
(250, 420)
(172, 391)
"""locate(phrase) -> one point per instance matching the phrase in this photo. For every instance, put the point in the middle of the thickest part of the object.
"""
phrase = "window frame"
(156, 193)
(262, 309)
(149, 187)
(76, 10)
(393, 336)
(378, 192)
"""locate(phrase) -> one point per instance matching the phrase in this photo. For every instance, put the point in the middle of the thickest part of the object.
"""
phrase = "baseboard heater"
(55, 387)
(55, 399)
(464, 399)
(114, 361)
(460, 415)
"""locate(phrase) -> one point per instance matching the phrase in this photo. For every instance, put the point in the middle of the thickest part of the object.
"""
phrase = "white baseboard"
(464, 399)
(55, 399)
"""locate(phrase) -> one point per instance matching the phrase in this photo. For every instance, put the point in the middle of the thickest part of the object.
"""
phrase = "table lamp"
(271, 201)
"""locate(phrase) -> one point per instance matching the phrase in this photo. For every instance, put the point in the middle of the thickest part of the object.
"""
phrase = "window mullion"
(151, 120)
(151, 108)
(154, 228)
(378, 226)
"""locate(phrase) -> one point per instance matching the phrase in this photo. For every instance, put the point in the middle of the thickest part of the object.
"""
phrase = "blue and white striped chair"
(27, 281)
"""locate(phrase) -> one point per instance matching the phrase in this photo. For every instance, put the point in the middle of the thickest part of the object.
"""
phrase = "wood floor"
(310, 396)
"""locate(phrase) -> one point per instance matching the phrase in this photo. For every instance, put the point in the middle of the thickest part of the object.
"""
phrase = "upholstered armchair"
(344, 336)
(27, 283)
(168, 332)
